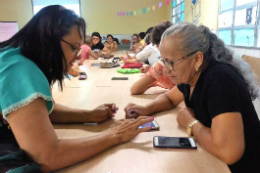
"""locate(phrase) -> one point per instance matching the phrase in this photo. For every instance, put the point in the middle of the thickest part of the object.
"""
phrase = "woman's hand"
(185, 117)
(134, 111)
(123, 59)
(145, 68)
(127, 129)
(103, 112)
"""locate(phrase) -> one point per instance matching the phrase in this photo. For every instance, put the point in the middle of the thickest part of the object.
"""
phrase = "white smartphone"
(174, 142)
(154, 125)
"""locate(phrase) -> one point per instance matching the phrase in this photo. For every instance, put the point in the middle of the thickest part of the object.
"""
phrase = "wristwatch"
(189, 128)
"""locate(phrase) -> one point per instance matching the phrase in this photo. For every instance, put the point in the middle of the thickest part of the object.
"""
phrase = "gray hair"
(200, 38)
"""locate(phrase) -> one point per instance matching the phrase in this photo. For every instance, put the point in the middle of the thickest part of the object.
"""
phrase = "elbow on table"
(231, 159)
(231, 156)
(135, 91)
(47, 165)
(46, 160)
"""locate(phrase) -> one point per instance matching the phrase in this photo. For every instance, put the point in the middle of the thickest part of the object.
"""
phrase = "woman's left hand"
(185, 117)
(103, 112)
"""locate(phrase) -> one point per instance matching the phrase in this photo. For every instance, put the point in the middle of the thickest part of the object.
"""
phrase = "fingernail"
(152, 118)
(150, 127)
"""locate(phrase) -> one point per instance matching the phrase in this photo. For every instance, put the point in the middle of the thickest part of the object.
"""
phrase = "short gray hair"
(200, 38)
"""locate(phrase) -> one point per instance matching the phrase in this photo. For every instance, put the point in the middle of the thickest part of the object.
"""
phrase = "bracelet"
(189, 128)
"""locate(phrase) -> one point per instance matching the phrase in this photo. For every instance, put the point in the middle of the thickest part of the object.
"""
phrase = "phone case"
(173, 146)
(119, 78)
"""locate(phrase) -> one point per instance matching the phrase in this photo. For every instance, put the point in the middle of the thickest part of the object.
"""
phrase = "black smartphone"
(154, 125)
(174, 142)
(119, 78)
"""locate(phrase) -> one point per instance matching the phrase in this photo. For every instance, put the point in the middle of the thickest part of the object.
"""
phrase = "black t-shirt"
(221, 89)
(98, 46)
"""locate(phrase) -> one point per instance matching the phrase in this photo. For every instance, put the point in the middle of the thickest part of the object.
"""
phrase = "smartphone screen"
(154, 125)
(119, 78)
(174, 142)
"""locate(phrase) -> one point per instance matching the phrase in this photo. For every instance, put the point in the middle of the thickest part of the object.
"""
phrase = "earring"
(197, 69)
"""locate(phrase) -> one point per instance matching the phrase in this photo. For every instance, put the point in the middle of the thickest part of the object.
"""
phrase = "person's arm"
(92, 54)
(138, 47)
(63, 114)
(166, 101)
(105, 49)
(131, 47)
(36, 136)
(225, 138)
(74, 70)
(115, 47)
(130, 60)
(140, 86)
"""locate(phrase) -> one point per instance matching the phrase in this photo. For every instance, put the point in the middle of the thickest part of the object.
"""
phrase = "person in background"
(87, 51)
(97, 45)
(135, 45)
(41, 56)
(155, 76)
(110, 44)
(217, 88)
(147, 37)
(150, 53)
(141, 37)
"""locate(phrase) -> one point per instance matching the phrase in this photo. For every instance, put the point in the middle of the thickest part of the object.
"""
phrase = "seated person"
(217, 88)
(150, 53)
(110, 44)
(27, 104)
(98, 48)
(87, 52)
(135, 46)
(154, 77)
(147, 38)
(141, 37)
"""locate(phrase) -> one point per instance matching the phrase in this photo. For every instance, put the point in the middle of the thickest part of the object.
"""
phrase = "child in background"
(87, 52)
(141, 37)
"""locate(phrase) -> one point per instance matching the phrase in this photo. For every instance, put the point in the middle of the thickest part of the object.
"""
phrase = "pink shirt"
(84, 54)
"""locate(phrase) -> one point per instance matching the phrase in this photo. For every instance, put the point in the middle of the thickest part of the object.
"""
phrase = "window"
(178, 7)
(69, 4)
(237, 22)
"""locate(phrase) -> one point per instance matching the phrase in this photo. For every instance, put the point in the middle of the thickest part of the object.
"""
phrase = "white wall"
(251, 52)
(247, 51)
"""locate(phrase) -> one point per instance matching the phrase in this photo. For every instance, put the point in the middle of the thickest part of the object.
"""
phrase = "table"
(137, 155)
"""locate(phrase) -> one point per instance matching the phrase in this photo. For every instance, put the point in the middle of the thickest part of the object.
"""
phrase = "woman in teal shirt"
(30, 62)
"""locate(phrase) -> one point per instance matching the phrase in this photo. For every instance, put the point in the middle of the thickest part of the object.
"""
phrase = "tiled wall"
(247, 51)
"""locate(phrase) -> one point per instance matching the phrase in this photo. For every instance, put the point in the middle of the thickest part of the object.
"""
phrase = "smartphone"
(174, 142)
(154, 125)
(119, 78)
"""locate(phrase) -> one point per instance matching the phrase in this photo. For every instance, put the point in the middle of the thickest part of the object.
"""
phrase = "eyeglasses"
(79, 50)
(170, 65)
(95, 38)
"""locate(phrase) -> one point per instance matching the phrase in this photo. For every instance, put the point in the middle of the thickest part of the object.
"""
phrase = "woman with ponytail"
(217, 88)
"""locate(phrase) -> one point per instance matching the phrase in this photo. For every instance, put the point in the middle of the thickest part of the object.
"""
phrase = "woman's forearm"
(141, 85)
(161, 103)
(63, 114)
(227, 153)
(70, 151)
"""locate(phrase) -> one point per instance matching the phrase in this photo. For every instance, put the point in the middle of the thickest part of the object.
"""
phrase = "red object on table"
(133, 65)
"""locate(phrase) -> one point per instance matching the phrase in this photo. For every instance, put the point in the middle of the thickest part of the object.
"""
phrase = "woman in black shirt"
(97, 44)
(217, 89)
